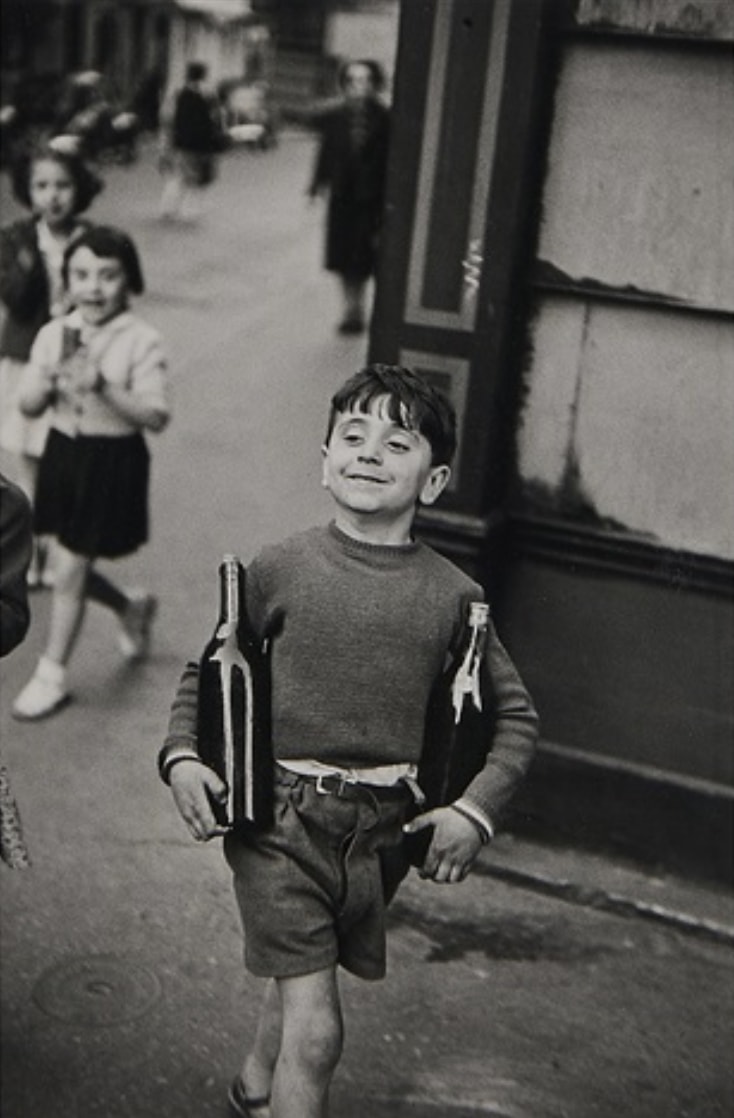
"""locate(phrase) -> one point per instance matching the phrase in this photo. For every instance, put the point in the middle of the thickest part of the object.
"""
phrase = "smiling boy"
(361, 618)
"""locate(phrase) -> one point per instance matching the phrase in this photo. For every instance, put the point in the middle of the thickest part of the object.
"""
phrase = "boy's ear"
(434, 484)
(324, 456)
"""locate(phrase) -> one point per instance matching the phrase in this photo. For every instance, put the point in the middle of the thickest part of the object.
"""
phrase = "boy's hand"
(194, 786)
(454, 846)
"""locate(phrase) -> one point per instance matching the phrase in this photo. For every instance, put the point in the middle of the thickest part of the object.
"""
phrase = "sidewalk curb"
(587, 896)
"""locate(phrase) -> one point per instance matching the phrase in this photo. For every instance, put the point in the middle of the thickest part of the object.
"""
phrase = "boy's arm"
(514, 740)
(193, 784)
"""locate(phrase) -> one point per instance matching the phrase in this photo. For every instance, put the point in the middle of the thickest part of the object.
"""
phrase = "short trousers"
(311, 889)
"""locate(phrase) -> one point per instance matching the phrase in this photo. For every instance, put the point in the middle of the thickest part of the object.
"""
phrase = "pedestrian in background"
(361, 619)
(191, 139)
(16, 545)
(57, 187)
(351, 166)
(102, 373)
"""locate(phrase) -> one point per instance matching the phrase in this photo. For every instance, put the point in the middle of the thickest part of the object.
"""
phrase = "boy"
(361, 618)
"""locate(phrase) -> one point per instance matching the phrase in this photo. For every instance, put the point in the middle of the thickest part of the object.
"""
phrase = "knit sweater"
(359, 634)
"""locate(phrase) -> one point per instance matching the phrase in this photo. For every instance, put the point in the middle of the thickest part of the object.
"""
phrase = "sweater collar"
(377, 551)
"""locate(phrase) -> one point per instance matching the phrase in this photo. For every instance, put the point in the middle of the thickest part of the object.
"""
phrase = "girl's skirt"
(92, 493)
(18, 433)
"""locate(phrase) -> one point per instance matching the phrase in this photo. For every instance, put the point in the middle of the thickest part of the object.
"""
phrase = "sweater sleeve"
(515, 736)
(181, 739)
(149, 376)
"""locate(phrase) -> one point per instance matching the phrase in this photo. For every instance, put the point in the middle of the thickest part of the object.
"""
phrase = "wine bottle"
(234, 708)
(458, 727)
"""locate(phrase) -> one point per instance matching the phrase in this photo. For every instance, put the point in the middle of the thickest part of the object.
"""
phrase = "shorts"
(311, 889)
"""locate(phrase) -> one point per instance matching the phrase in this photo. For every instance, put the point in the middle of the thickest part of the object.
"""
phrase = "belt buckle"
(321, 788)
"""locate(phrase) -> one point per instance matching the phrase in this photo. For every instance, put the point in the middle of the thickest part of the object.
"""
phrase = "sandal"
(239, 1104)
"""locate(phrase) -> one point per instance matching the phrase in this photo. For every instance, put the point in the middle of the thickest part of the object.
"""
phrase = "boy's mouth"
(372, 478)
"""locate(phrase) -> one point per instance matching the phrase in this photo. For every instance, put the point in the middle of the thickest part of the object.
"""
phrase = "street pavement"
(553, 983)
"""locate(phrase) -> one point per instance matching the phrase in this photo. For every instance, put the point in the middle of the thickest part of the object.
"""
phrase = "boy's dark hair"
(87, 184)
(195, 72)
(106, 240)
(377, 74)
(413, 403)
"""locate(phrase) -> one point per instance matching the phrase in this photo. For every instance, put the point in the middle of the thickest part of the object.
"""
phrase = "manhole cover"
(96, 990)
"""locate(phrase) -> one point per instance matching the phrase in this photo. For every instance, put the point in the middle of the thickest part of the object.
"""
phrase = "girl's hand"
(78, 373)
(454, 846)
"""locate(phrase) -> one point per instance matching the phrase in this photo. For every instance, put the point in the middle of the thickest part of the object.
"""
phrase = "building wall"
(635, 400)
(619, 599)
(573, 162)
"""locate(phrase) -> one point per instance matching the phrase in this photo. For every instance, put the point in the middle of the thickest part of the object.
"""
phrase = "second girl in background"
(57, 187)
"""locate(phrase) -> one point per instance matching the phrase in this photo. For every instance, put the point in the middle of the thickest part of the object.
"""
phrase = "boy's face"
(377, 470)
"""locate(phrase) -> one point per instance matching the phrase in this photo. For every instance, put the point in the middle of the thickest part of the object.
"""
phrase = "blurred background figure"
(191, 138)
(92, 124)
(16, 546)
(351, 165)
(57, 187)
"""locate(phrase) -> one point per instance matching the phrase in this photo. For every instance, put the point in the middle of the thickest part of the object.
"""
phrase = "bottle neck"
(231, 579)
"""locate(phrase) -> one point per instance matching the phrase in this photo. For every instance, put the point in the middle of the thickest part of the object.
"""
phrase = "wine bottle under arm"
(233, 719)
(458, 728)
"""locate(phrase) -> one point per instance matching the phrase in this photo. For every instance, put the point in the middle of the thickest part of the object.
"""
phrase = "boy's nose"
(370, 452)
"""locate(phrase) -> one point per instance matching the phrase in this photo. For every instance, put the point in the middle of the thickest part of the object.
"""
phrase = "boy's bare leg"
(311, 1045)
(259, 1066)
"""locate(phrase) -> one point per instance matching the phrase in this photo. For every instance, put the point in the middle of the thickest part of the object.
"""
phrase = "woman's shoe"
(44, 694)
(351, 324)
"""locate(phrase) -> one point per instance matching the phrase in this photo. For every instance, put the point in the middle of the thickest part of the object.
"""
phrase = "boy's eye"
(398, 446)
(352, 437)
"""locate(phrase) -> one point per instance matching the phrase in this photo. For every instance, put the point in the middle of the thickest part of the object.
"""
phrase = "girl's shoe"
(44, 694)
(242, 1107)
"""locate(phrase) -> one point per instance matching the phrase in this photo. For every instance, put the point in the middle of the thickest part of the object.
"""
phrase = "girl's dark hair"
(413, 403)
(107, 241)
(377, 74)
(87, 184)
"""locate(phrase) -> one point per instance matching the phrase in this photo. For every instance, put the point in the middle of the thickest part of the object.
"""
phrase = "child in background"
(102, 373)
(361, 618)
(57, 187)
